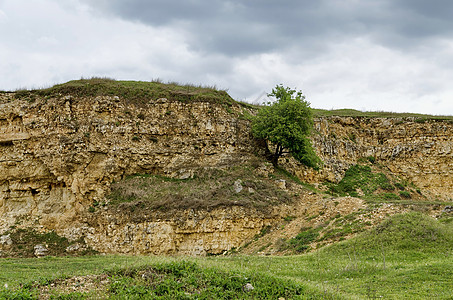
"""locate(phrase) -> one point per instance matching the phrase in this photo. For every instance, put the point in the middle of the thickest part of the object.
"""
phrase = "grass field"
(408, 256)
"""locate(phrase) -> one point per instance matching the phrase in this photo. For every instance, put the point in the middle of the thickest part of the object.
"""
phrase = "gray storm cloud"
(394, 55)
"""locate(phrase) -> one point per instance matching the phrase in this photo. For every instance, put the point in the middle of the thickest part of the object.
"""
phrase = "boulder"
(281, 183)
(41, 250)
(5, 240)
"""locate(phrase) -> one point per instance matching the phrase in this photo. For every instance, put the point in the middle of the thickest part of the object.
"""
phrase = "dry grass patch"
(209, 189)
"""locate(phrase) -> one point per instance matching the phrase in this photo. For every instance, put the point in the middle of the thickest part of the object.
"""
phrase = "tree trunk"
(277, 154)
(274, 160)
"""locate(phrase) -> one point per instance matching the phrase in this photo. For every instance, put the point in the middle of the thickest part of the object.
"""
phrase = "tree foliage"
(287, 124)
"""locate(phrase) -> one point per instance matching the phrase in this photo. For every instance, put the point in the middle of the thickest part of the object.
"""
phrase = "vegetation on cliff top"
(419, 118)
(137, 92)
(141, 92)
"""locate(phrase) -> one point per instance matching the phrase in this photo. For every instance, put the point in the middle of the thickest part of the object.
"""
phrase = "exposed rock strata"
(418, 152)
(186, 232)
(59, 155)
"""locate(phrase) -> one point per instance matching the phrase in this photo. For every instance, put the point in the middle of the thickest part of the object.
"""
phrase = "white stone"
(6, 240)
(281, 183)
(77, 247)
(41, 250)
(248, 288)
(237, 186)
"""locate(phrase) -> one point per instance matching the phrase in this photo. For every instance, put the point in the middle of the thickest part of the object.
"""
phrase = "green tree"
(287, 124)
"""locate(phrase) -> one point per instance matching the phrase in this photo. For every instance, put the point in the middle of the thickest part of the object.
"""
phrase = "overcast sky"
(391, 55)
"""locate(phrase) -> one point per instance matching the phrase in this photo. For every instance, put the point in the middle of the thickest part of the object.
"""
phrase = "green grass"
(360, 177)
(376, 186)
(408, 256)
(300, 243)
(24, 240)
(420, 118)
(186, 280)
(332, 230)
(147, 278)
(137, 92)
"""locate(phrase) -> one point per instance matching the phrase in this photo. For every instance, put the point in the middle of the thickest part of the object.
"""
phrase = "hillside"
(153, 168)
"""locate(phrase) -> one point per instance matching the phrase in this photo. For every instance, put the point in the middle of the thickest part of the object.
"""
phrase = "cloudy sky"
(392, 55)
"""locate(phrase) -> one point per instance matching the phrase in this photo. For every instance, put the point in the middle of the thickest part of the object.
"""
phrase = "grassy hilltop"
(137, 92)
(140, 92)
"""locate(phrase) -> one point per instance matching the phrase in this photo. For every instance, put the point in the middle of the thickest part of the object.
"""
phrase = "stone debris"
(41, 250)
(248, 288)
(5, 240)
(264, 170)
(77, 284)
(237, 186)
(448, 209)
(281, 183)
(77, 247)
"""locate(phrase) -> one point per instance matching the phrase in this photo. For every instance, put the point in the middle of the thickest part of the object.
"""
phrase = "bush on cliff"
(287, 124)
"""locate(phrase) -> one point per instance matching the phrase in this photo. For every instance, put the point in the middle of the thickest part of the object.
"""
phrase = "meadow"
(408, 256)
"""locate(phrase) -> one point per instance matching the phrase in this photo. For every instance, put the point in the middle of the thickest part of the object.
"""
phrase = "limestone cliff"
(418, 151)
(59, 153)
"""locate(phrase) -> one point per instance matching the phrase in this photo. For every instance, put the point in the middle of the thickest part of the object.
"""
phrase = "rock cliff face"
(416, 150)
(60, 154)
(186, 232)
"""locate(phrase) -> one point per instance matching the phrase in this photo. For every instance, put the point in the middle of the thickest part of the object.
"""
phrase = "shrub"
(405, 194)
(301, 242)
(390, 196)
(287, 124)
(186, 280)
(371, 159)
(360, 177)
(399, 186)
(387, 186)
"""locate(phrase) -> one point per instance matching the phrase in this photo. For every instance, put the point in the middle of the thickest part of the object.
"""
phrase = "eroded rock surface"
(58, 155)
